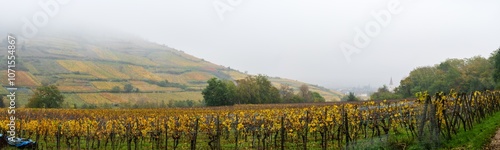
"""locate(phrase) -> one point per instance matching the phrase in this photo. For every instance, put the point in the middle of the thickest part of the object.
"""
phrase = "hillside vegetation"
(86, 68)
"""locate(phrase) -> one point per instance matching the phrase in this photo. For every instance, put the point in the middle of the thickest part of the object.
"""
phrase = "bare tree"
(305, 93)
(286, 93)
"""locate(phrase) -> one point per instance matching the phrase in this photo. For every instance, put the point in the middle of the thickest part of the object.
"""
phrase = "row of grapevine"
(429, 119)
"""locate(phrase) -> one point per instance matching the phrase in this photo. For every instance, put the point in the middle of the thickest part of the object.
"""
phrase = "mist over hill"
(88, 66)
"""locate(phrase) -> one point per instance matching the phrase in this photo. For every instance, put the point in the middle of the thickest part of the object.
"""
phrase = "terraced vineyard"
(3, 91)
(98, 70)
(107, 86)
(93, 65)
(83, 89)
(22, 79)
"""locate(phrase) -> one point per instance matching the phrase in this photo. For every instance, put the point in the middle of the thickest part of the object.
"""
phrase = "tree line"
(254, 90)
(462, 75)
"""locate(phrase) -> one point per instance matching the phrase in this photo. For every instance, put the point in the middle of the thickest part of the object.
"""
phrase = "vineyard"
(430, 120)
(144, 86)
(23, 79)
(101, 85)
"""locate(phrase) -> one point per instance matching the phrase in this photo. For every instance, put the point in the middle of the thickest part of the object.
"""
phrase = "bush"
(46, 97)
(115, 89)
(351, 97)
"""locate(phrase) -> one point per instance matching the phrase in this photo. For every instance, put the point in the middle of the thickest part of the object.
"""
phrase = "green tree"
(496, 65)
(267, 92)
(317, 97)
(297, 99)
(219, 93)
(350, 97)
(462, 75)
(84, 106)
(256, 90)
(190, 103)
(115, 89)
(46, 97)
(247, 91)
(128, 88)
(383, 93)
(477, 75)
(163, 83)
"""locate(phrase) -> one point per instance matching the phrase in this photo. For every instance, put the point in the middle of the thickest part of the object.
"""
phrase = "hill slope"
(87, 67)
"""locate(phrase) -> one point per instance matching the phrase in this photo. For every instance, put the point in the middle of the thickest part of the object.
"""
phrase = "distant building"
(391, 86)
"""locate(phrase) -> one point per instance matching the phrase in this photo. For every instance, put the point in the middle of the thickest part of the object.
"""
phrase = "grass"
(476, 138)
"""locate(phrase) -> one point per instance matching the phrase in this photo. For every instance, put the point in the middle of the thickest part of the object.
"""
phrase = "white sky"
(296, 39)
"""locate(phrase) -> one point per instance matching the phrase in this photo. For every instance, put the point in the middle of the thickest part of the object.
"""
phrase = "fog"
(335, 44)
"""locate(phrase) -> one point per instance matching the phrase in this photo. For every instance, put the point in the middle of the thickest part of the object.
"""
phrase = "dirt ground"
(495, 142)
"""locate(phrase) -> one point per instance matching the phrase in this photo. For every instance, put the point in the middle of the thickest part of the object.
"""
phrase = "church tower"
(391, 86)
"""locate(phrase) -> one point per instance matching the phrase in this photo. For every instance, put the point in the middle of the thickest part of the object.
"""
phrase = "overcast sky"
(296, 39)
